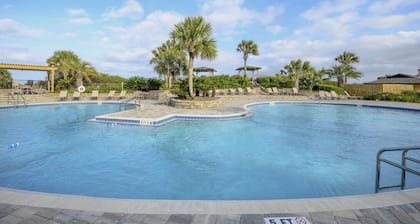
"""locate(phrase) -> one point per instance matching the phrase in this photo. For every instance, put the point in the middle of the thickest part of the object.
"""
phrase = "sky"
(117, 36)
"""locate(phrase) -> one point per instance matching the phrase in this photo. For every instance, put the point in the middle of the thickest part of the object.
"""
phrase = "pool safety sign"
(286, 220)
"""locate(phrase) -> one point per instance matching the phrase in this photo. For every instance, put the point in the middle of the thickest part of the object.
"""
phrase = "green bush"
(328, 88)
(406, 96)
(275, 81)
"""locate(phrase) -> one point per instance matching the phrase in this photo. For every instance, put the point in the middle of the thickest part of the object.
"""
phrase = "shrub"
(275, 81)
(328, 88)
(406, 96)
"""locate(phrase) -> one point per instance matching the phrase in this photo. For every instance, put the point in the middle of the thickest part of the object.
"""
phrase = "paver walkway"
(15, 214)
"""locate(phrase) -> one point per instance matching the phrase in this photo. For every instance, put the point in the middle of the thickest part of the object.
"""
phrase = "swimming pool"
(282, 151)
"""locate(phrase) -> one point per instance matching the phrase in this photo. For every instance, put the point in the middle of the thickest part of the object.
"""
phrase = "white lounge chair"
(328, 95)
(122, 94)
(232, 91)
(275, 91)
(63, 95)
(95, 95)
(249, 91)
(76, 95)
(110, 95)
(321, 95)
(240, 91)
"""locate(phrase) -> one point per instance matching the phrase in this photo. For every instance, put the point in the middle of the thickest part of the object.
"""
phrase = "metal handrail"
(16, 99)
(403, 166)
(136, 99)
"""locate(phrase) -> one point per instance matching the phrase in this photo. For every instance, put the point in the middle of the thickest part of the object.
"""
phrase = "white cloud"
(131, 9)
(79, 17)
(391, 21)
(274, 29)
(77, 12)
(331, 7)
(227, 17)
(380, 7)
(70, 34)
(12, 28)
(80, 21)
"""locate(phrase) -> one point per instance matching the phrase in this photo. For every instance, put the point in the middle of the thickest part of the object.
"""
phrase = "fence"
(363, 89)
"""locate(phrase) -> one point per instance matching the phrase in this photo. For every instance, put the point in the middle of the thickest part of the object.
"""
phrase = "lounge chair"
(122, 94)
(295, 91)
(95, 95)
(232, 91)
(63, 95)
(321, 95)
(249, 91)
(269, 91)
(328, 95)
(76, 95)
(275, 91)
(110, 95)
(334, 95)
(240, 91)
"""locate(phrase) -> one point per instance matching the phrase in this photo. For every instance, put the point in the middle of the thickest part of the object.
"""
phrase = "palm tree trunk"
(297, 81)
(245, 59)
(190, 76)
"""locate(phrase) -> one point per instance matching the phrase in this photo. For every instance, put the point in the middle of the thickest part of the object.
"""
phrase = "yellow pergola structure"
(48, 69)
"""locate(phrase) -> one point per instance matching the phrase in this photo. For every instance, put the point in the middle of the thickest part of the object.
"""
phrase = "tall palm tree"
(247, 47)
(347, 58)
(194, 35)
(296, 70)
(170, 61)
(68, 64)
(342, 71)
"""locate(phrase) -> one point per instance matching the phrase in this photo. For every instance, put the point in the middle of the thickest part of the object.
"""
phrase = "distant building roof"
(397, 79)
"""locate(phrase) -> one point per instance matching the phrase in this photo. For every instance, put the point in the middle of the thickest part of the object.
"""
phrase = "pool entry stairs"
(10, 98)
(405, 166)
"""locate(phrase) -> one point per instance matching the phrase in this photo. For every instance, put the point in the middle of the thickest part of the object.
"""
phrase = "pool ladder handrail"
(137, 100)
(403, 166)
(15, 100)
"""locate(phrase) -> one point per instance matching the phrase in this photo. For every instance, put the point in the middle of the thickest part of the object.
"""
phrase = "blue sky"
(117, 36)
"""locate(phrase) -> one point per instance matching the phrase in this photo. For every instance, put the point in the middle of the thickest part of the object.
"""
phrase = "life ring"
(81, 89)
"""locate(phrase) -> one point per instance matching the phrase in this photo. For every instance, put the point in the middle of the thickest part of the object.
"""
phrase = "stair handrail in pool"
(403, 166)
(16, 99)
(136, 99)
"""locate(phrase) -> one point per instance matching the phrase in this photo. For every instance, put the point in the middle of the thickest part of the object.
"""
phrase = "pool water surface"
(282, 151)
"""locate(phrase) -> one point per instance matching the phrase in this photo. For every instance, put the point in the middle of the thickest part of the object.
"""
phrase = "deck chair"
(275, 91)
(334, 95)
(240, 91)
(122, 94)
(76, 95)
(232, 91)
(249, 91)
(328, 95)
(295, 91)
(95, 95)
(110, 95)
(321, 95)
(269, 91)
(63, 95)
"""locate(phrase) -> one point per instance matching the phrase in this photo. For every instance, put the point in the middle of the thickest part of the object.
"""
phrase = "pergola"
(248, 68)
(204, 69)
(49, 70)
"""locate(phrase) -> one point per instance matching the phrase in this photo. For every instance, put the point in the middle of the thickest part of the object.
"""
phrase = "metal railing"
(133, 100)
(16, 99)
(403, 166)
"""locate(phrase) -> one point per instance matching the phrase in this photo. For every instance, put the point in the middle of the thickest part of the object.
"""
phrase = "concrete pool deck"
(32, 207)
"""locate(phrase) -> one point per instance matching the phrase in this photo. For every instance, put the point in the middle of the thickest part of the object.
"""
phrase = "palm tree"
(347, 58)
(5, 77)
(194, 36)
(247, 47)
(342, 71)
(68, 64)
(312, 77)
(170, 61)
(296, 70)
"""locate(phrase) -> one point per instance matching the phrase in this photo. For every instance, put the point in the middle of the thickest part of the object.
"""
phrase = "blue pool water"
(282, 151)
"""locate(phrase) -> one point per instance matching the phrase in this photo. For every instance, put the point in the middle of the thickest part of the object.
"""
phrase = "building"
(387, 84)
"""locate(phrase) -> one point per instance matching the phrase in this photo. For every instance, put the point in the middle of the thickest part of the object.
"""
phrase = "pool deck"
(391, 207)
